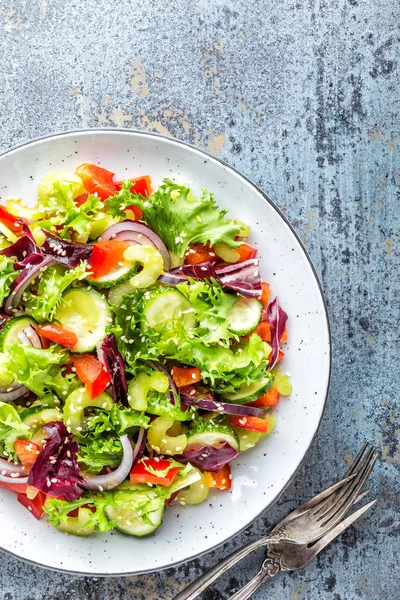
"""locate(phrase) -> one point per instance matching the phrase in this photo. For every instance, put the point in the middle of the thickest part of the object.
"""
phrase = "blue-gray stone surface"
(303, 97)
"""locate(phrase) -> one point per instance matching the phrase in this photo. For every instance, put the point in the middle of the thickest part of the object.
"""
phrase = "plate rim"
(267, 199)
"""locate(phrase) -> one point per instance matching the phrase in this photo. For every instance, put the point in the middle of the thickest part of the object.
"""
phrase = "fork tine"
(336, 531)
(352, 470)
(330, 503)
(317, 499)
(356, 461)
(327, 493)
(340, 507)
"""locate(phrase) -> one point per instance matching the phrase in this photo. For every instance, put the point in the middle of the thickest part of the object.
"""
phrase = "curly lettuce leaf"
(224, 368)
(11, 428)
(178, 217)
(160, 405)
(56, 206)
(7, 276)
(38, 369)
(211, 305)
(58, 511)
(99, 444)
(42, 303)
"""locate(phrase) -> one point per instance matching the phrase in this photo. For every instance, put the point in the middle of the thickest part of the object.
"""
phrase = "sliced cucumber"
(251, 392)
(166, 309)
(117, 292)
(12, 328)
(212, 438)
(245, 315)
(119, 274)
(86, 313)
(37, 416)
(135, 512)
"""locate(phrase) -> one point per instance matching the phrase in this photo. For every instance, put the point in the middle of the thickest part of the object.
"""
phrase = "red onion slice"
(12, 473)
(224, 407)
(171, 278)
(109, 481)
(9, 393)
(139, 446)
(32, 337)
(131, 231)
(24, 279)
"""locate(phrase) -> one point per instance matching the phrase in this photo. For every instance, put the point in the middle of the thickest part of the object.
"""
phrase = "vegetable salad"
(139, 350)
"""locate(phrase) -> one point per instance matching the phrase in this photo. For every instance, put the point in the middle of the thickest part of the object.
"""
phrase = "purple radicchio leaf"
(243, 277)
(277, 318)
(25, 250)
(65, 252)
(208, 458)
(114, 364)
(56, 471)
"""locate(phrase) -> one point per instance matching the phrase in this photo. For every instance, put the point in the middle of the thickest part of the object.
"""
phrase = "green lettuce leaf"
(57, 511)
(43, 302)
(7, 276)
(178, 217)
(56, 206)
(223, 368)
(11, 428)
(99, 443)
(40, 370)
(212, 305)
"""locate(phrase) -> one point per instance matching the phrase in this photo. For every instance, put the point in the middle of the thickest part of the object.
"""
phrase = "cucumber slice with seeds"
(12, 328)
(169, 308)
(119, 274)
(245, 315)
(251, 392)
(86, 313)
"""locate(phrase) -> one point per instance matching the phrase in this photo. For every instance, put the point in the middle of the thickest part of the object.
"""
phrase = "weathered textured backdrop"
(302, 96)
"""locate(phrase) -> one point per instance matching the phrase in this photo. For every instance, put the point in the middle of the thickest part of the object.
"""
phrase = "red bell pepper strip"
(105, 256)
(265, 294)
(199, 253)
(140, 185)
(92, 373)
(221, 480)
(27, 452)
(250, 423)
(79, 200)
(15, 487)
(185, 376)
(245, 252)
(34, 505)
(10, 221)
(57, 334)
(270, 398)
(96, 180)
(156, 471)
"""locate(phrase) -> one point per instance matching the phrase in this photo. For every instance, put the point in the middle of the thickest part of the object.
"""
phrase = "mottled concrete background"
(302, 96)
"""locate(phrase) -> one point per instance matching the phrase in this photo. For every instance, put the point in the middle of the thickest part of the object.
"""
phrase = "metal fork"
(306, 524)
(289, 557)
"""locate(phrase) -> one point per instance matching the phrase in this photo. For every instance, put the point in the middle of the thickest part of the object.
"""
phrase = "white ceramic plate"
(260, 474)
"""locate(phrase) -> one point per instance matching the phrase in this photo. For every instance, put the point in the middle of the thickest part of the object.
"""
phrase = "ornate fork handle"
(269, 569)
(202, 582)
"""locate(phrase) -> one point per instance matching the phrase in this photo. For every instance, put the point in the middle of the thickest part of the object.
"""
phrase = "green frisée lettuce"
(99, 442)
(211, 305)
(43, 302)
(223, 367)
(56, 205)
(11, 428)
(178, 217)
(7, 276)
(38, 369)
